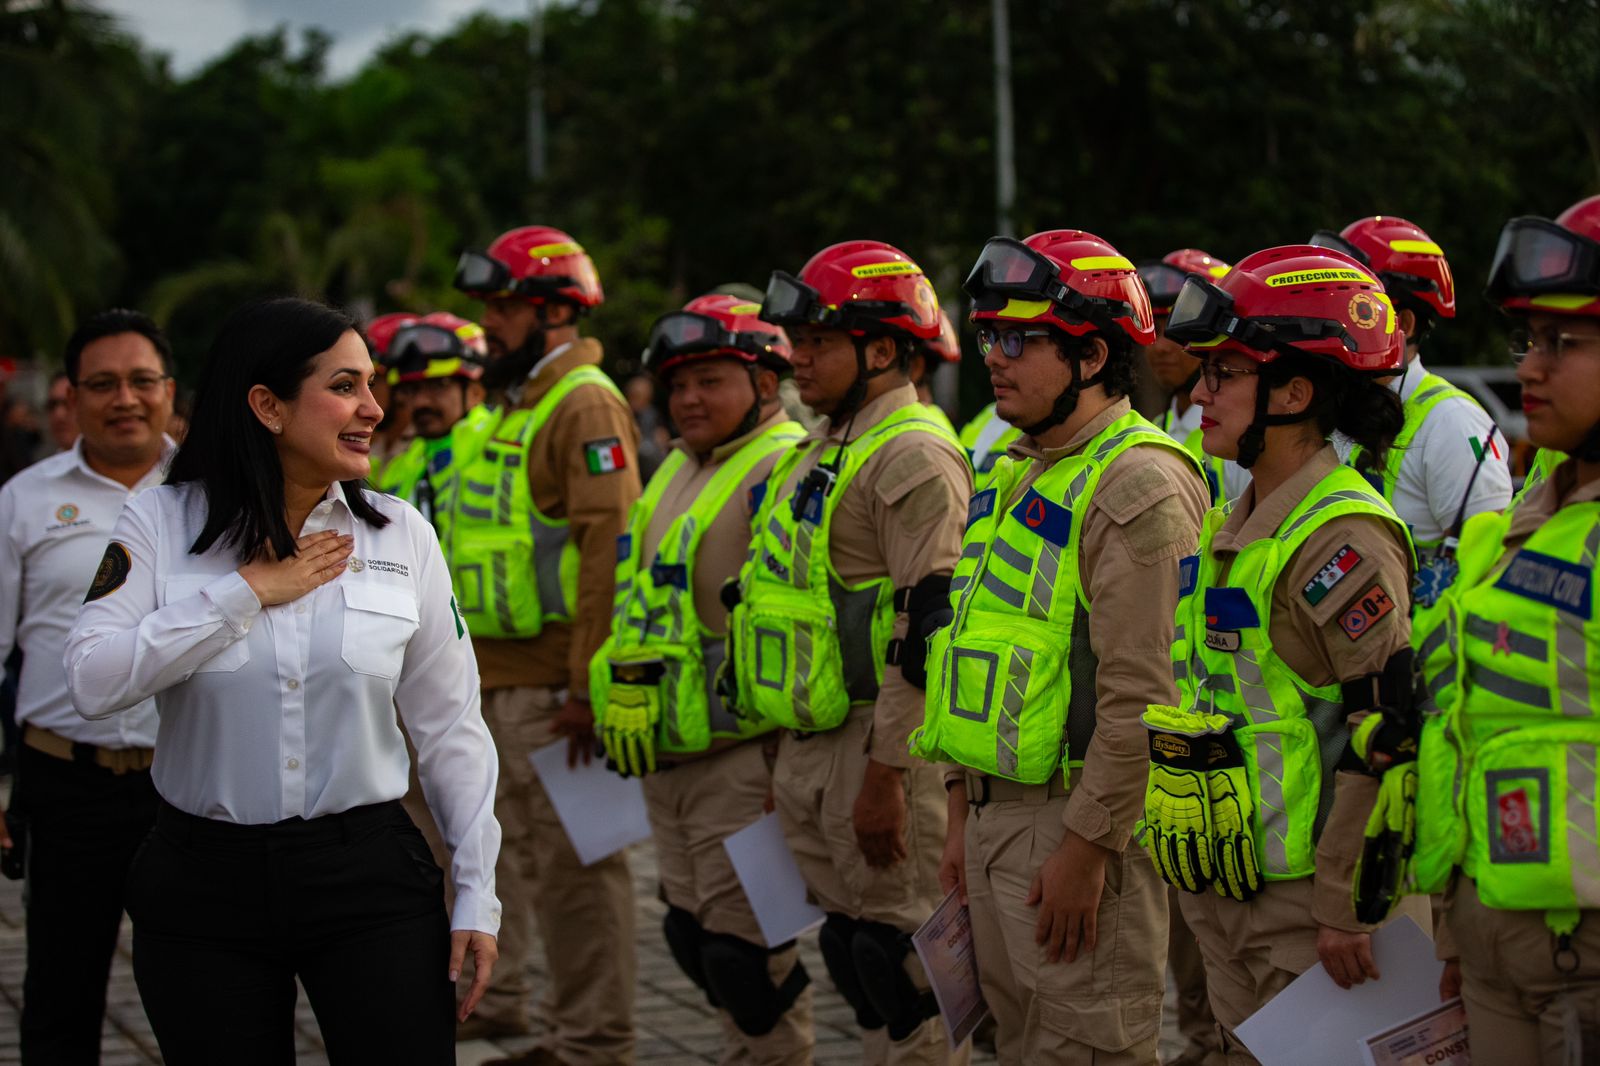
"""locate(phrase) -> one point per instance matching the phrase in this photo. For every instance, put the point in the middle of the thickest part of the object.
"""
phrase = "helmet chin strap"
(752, 417)
(1253, 441)
(1066, 402)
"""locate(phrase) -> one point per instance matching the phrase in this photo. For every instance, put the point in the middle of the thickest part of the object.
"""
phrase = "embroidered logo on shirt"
(1360, 616)
(1550, 581)
(67, 516)
(384, 566)
(605, 456)
(357, 565)
(1433, 579)
(1038, 515)
(1480, 446)
(112, 573)
(1333, 571)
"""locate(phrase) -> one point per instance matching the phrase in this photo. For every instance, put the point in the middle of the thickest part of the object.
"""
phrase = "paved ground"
(675, 1025)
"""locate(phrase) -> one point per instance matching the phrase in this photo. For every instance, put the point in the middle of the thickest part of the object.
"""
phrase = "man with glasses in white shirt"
(83, 788)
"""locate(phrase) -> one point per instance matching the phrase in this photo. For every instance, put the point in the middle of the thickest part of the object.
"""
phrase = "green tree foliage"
(696, 142)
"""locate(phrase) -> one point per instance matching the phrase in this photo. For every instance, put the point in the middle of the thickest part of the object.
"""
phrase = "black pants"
(84, 826)
(226, 916)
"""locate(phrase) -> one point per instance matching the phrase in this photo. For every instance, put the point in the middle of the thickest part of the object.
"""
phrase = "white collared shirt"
(55, 519)
(289, 711)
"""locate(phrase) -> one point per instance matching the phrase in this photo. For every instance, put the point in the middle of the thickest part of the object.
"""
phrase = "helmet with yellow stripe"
(438, 345)
(538, 263)
(1164, 277)
(1064, 278)
(1411, 266)
(1552, 267)
(867, 288)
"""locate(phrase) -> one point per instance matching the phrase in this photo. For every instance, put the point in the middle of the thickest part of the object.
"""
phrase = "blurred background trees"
(694, 142)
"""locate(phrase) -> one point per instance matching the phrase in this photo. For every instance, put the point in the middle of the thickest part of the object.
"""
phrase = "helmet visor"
(479, 275)
(1006, 267)
(1164, 282)
(423, 341)
(1535, 257)
(1203, 317)
(791, 302)
(1326, 238)
(683, 333)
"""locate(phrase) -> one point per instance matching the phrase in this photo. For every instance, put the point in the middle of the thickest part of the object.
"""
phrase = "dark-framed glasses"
(1214, 373)
(1010, 341)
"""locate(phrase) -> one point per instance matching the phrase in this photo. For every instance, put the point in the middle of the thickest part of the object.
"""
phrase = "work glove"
(1384, 740)
(1391, 838)
(629, 732)
(1232, 820)
(1177, 805)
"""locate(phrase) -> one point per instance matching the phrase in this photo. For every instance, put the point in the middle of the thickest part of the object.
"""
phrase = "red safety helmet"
(537, 263)
(1065, 278)
(1410, 265)
(867, 288)
(716, 326)
(381, 330)
(437, 345)
(1550, 266)
(1163, 278)
(1296, 299)
(947, 345)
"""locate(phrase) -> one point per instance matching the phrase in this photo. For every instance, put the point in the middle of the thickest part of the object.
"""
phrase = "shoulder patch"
(1038, 515)
(903, 472)
(455, 612)
(1129, 495)
(605, 456)
(112, 573)
(1335, 570)
(980, 506)
(1360, 616)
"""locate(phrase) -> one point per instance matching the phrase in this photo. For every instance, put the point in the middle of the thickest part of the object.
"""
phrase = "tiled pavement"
(674, 1024)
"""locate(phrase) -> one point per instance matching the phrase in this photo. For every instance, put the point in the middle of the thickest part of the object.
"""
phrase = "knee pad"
(685, 939)
(879, 952)
(736, 973)
(834, 939)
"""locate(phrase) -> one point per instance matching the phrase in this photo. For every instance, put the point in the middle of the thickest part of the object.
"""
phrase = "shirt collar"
(1252, 520)
(154, 476)
(722, 452)
(871, 413)
(333, 512)
(1026, 447)
(551, 368)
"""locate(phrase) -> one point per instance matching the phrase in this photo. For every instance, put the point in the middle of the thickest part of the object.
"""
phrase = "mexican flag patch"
(604, 456)
(1481, 445)
(1332, 572)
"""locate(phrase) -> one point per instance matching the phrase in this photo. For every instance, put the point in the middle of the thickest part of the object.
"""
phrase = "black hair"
(1119, 374)
(109, 323)
(229, 452)
(1357, 405)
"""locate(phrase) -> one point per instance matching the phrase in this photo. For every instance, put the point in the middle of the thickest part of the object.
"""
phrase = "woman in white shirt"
(279, 612)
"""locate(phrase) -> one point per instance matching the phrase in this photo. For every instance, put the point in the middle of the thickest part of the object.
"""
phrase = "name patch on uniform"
(980, 506)
(1333, 571)
(1518, 814)
(1548, 580)
(1228, 610)
(112, 572)
(1362, 614)
(1038, 515)
(1188, 574)
(605, 456)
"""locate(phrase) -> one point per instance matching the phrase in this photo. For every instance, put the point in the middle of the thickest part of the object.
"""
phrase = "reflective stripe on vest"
(1000, 696)
(513, 566)
(806, 644)
(1291, 732)
(1507, 772)
(655, 628)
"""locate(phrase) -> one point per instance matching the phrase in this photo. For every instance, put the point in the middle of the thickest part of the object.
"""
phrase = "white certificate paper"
(1314, 1022)
(944, 944)
(771, 881)
(1432, 1037)
(601, 812)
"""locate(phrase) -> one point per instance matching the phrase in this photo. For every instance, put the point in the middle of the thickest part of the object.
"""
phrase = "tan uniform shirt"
(1144, 516)
(725, 543)
(596, 505)
(1325, 646)
(900, 517)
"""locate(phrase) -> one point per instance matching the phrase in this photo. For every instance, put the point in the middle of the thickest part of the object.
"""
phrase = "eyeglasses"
(1522, 343)
(108, 384)
(1011, 341)
(1214, 373)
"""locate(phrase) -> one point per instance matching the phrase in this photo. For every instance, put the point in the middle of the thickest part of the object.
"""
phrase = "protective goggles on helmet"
(1203, 317)
(1537, 257)
(682, 334)
(791, 302)
(1163, 281)
(428, 351)
(481, 275)
(1007, 269)
(1393, 281)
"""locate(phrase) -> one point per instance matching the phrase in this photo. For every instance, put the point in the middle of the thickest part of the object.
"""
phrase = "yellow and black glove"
(1177, 804)
(632, 712)
(1233, 809)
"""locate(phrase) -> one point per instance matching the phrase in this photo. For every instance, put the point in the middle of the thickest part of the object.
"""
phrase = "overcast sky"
(194, 31)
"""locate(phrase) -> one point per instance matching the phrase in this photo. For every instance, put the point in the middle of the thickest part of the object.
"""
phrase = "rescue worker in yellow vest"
(1449, 462)
(435, 368)
(1294, 617)
(1176, 373)
(1505, 778)
(855, 536)
(943, 349)
(537, 513)
(1061, 636)
(393, 433)
(706, 771)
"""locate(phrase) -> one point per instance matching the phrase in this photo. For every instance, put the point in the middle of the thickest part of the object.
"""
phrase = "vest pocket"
(1530, 804)
(1283, 763)
(1441, 833)
(790, 668)
(496, 587)
(668, 680)
(378, 623)
(996, 702)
